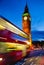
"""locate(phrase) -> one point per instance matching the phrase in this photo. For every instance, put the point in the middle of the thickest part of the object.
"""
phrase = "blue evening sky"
(13, 10)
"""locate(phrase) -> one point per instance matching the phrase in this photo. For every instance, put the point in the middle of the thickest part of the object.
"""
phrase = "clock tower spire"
(26, 22)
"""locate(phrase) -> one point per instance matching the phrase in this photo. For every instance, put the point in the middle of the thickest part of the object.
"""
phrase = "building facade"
(26, 21)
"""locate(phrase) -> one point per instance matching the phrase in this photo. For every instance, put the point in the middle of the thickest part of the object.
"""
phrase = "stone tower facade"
(26, 21)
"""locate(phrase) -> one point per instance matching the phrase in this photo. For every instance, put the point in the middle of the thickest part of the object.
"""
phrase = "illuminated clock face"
(25, 18)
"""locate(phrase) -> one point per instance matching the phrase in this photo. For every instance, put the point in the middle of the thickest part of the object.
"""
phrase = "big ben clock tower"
(26, 21)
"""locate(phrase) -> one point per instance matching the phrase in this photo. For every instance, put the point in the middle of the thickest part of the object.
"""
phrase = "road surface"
(35, 57)
(34, 61)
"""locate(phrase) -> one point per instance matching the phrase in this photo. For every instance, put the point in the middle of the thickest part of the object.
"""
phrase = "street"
(35, 57)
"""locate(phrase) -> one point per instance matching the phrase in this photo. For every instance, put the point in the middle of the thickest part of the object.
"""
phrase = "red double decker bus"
(13, 45)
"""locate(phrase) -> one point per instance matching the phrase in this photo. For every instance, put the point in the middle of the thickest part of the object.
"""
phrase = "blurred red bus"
(12, 43)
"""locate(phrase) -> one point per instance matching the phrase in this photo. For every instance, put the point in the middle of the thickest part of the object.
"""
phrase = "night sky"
(13, 10)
